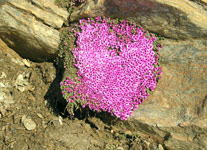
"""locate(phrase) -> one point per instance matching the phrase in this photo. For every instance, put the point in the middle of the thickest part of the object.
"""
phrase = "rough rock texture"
(177, 19)
(176, 113)
(31, 27)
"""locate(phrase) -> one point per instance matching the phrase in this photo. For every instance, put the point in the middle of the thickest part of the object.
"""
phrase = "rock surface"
(176, 113)
(31, 27)
(29, 124)
(177, 19)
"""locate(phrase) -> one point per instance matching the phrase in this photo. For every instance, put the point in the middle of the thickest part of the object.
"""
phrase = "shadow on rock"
(54, 98)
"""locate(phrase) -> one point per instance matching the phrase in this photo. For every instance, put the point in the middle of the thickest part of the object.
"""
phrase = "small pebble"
(128, 132)
(2, 85)
(148, 143)
(60, 120)
(2, 97)
(160, 147)
(28, 123)
(120, 148)
(2, 110)
(44, 124)
(27, 63)
(56, 122)
(17, 61)
(3, 75)
(20, 81)
(40, 116)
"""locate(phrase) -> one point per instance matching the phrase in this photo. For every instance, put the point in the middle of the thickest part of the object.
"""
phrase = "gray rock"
(6, 99)
(2, 95)
(177, 19)
(120, 148)
(39, 115)
(2, 110)
(26, 63)
(29, 124)
(31, 27)
(176, 112)
(2, 85)
(3, 75)
(57, 122)
(160, 147)
(22, 83)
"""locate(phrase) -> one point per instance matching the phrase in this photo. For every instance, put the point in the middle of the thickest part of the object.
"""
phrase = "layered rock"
(31, 27)
(176, 113)
(177, 19)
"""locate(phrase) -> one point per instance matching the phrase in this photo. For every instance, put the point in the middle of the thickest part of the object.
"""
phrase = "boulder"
(176, 112)
(31, 27)
(175, 19)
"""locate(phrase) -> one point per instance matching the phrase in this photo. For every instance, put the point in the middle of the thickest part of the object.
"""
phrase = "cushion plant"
(117, 66)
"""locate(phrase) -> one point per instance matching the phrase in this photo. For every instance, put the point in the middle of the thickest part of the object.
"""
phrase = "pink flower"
(115, 65)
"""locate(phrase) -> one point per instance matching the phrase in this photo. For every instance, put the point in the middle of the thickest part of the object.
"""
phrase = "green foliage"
(65, 54)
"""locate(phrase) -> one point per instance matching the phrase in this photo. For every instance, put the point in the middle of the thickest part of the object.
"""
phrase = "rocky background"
(175, 115)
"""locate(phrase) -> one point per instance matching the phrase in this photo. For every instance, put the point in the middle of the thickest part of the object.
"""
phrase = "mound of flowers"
(117, 65)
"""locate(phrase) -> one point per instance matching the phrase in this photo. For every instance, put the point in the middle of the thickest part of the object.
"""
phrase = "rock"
(17, 61)
(147, 143)
(28, 123)
(2, 75)
(57, 122)
(27, 63)
(160, 147)
(31, 27)
(2, 96)
(2, 110)
(2, 85)
(39, 115)
(176, 112)
(6, 99)
(44, 124)
(22, 83)
(177, 19)
(120, 148)
(129, 133)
